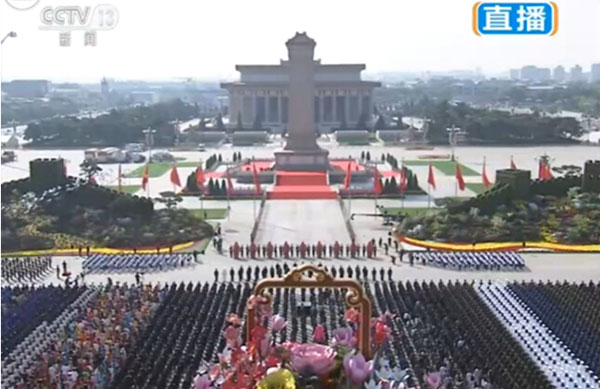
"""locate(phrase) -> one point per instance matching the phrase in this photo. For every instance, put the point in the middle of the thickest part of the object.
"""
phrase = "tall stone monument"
(301, 151)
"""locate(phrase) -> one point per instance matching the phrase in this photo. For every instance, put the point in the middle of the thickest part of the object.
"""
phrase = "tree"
(169, 199)
(240, 123)
(393, 185)
(361, 124)
(211, 187)
(220, 158)
(567, 170)
(89, 169)
(368, 156)
(362, 155)
(220, 124)
(380, 123)
(399, 122)
(382, 157)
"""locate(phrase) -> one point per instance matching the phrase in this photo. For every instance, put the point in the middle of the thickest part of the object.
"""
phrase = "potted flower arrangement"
(265, 362)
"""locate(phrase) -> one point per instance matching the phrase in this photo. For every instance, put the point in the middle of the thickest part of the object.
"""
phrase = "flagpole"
(119, 173)
(428, 195)
(402, 180)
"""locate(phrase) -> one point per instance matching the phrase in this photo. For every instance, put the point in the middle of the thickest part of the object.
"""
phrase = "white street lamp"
(11, 34)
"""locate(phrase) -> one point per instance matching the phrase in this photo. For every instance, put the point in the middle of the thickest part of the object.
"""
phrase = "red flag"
(175, 176)
(348, 177)
(486, 181)
(544, 172)
(256, 180)
(145, 177)
(403, 183)
(512, 164)
(199, 176)
(431, 178)
(229, 183)
(459, 177)
(377, 182)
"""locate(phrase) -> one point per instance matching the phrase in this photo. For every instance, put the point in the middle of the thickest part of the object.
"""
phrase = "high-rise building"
(104, 88)
(27, 88)
(595, 72)
(576, 73)
(535, 74)
(559, 74)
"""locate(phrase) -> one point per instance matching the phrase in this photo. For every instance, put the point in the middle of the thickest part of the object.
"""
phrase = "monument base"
(310, 160)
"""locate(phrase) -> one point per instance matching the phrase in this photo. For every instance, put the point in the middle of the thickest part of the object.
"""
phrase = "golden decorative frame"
(355, 297)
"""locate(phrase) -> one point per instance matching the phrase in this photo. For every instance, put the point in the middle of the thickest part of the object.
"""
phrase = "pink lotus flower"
(201, 382)
(319, 334)
(357, 368)
(343, 336)
(278, 323)
(232, 334)
(311, 359)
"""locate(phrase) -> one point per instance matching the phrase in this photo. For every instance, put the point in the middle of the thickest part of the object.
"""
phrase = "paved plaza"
(309, 221)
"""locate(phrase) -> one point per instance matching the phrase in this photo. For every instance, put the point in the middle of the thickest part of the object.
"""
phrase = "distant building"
(104, 88)
(559, 74)
(595, 72)
(515, 74)
(535, 74)
(576, 74)
(144, 97)
(341, 98)
(27, 88)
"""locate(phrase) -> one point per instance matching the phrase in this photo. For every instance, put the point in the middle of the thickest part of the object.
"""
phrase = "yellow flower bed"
(492, 246)
(97, 250)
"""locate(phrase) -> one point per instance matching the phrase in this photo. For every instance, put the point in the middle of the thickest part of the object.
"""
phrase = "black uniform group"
(27, 269)
(250, 274)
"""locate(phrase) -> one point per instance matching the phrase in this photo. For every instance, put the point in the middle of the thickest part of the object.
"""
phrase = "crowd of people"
(571, 312)
(158, 336)
(25, 269)
(480, 260)
(90, 348)
(447, 331)
(145, 263)
(305, 250)
(256, 273)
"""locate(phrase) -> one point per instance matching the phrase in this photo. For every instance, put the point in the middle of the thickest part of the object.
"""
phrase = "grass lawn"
(408, 211)
(211, 213)
(131, 189)
(156, 169)
(446, 167)
(188, 164)
(476, 187)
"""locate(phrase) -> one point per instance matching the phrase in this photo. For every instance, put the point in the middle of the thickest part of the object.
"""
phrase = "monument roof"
(301, 39)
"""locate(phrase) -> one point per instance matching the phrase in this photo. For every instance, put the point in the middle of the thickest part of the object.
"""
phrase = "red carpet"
(342, 164)
(301, 185)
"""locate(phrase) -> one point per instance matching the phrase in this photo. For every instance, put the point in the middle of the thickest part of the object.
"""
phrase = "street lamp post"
(452, 134)
(149, 132)
(11, 34)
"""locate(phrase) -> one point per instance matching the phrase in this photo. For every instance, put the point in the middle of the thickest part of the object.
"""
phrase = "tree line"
(116, 128)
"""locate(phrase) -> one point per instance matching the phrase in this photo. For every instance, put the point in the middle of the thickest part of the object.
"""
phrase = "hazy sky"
(204, 39)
